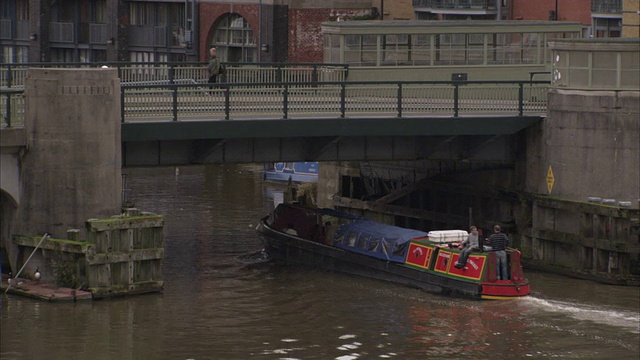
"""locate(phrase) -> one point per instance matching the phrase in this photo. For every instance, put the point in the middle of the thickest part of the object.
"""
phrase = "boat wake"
(254, 257)
(627, 319)
(254, 260)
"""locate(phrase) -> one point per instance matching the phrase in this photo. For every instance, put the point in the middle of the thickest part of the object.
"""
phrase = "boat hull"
(342, 242)
(294, 250)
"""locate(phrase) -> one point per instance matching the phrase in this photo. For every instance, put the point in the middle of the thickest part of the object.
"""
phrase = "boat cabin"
(379, 240)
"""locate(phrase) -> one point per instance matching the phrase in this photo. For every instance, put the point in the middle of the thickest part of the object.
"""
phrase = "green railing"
(333, 99)
(142, 73)
(228, 101)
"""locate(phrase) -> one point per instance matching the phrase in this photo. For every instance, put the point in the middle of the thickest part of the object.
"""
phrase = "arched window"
(234, 39)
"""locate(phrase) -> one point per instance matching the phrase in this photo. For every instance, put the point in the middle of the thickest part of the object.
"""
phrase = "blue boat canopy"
(383, 241)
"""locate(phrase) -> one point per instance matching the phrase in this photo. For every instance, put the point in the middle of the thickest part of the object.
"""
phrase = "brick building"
(251, 30)
(272, 31)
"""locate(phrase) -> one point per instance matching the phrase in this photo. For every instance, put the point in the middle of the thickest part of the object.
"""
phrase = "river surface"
(223, 300)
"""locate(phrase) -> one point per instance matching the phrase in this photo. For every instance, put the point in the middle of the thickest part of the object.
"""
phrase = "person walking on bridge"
(499, 242)
(213, 68)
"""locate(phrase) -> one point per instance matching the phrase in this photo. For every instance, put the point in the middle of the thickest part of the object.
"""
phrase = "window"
(99, 12)
(395, 50)
(234, 39)
(451, 49)
(400, 249)
(421, 49)
(142, 14)
(362, 242)
(63, 11)
(361, 49)
(22, 9)
(351, 239)
(373, 244)
(15, 54)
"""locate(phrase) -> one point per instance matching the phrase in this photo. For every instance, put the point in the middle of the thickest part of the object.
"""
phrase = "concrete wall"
(590, 141)
(71, 170)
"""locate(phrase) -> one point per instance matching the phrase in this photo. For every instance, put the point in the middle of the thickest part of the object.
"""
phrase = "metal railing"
(144, 73)
(228, 101)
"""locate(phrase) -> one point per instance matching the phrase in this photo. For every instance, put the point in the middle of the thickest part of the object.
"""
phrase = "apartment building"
(251, 30)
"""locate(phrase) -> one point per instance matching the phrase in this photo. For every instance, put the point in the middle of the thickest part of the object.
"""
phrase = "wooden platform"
(41, 291)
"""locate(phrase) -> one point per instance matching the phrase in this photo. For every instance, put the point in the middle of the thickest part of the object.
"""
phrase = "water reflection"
(222, 300)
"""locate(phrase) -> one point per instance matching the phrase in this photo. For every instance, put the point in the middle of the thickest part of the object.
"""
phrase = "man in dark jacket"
(213, 68)
(499, 242)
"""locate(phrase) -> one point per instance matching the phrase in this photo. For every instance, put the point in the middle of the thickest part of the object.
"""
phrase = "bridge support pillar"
(72, 169)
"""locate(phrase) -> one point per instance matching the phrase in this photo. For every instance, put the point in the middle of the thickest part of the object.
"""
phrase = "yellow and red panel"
(419, 255)
(473, 269)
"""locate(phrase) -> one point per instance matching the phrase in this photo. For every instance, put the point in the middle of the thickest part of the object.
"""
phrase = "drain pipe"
(26, 262)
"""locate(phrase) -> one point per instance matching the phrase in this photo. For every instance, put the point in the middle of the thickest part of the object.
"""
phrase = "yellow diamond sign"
(550, 179)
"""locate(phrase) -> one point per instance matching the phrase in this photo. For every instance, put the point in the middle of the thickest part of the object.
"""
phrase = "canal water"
(222, 300)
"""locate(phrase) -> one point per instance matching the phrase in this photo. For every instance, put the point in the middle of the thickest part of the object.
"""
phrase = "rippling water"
(223, 300)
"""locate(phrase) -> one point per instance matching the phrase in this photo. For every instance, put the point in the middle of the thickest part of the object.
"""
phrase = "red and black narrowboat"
(341, 242)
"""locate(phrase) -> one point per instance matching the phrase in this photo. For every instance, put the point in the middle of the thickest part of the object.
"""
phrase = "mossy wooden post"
(128, 254)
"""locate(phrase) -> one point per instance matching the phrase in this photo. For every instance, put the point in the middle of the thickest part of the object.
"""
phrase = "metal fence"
(228, 101)
(144, 73)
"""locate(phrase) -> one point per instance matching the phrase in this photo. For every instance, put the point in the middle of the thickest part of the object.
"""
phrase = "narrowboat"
(298, 172)
(337, 241)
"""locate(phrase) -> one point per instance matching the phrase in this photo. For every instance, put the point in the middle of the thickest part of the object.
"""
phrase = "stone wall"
(590, 141)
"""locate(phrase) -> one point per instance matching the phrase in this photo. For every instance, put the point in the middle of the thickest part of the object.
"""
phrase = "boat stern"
(504, 290)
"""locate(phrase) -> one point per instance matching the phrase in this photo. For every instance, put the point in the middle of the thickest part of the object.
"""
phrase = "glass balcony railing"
(455, 4)
(606, 6)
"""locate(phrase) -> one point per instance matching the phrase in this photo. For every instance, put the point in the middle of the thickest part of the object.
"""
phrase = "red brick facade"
(568, 10)
(209, 13)
(304, 41)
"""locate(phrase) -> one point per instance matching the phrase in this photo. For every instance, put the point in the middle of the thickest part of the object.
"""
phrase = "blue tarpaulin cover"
(375, 239)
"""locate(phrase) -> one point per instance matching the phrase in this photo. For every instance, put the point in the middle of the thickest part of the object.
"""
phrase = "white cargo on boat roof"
(448, 236)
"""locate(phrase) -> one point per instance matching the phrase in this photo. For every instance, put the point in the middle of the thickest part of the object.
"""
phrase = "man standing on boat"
(469, 245)
(499, 242)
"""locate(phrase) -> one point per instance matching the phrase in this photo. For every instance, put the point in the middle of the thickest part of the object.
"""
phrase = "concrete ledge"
(13, 137)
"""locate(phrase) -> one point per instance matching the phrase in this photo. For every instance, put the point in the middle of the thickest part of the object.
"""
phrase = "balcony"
(455, 4)
(606, 7)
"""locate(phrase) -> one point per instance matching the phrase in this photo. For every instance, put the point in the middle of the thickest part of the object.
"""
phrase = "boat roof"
(389, 232)
(375, 239)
